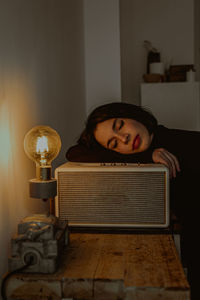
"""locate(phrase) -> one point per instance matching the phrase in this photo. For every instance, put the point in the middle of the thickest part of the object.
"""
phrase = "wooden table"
(109, 267)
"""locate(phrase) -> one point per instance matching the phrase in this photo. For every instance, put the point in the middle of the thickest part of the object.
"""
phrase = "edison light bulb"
(42, 144)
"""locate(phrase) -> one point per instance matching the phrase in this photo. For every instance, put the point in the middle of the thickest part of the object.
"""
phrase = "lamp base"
(40, 240)
(42, 189)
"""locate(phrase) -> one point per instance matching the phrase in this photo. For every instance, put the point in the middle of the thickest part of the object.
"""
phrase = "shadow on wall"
(17, 115)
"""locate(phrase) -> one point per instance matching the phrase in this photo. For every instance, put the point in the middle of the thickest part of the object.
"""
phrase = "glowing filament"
(42, 145)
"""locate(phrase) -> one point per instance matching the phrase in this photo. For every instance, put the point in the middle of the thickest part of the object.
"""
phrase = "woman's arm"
(163, 156)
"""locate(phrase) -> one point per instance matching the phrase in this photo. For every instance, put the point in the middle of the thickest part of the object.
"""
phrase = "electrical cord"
(3, 284)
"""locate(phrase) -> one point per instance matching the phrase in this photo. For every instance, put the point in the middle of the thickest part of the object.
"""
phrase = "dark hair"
(115, 110)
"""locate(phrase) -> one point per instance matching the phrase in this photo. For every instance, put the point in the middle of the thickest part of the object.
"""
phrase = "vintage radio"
(113, 195)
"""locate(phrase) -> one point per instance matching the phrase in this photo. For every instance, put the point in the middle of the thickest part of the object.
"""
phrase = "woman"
(154, 143)
(122, 132)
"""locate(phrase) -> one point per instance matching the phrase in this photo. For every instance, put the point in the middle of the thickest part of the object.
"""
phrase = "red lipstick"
(136, 142)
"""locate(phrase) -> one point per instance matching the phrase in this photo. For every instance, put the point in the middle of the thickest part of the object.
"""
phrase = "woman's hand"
(166, 158)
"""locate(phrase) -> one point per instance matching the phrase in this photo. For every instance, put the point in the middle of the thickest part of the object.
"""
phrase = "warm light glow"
(42, 144)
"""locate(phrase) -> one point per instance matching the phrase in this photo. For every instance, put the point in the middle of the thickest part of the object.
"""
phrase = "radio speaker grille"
(125, 199)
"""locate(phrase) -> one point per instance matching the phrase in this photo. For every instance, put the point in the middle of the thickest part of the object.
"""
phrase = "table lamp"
(40, 237)
(42, 144)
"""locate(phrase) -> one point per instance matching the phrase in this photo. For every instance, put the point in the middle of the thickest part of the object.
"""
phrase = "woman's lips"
(136, 142)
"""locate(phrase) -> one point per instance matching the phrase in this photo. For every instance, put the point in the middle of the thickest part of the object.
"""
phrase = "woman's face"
(123, 135)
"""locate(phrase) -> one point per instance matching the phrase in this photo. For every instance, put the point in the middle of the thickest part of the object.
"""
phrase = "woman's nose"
(123, 137)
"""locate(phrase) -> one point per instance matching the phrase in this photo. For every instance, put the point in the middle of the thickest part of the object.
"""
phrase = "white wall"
(102, 52)
(168, 24)
(41, 82)
(174, 104)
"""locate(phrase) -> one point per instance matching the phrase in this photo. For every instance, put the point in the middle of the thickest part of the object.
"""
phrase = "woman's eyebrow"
(114, 124)
(113, 128)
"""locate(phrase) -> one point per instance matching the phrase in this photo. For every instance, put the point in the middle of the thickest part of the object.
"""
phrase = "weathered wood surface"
(108, 267)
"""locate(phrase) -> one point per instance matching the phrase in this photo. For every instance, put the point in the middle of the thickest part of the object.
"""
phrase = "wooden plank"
(111, 258)
(155, 294)
(79, 267)
(153, 261)
(82, 256)
(138, 265)
(153, 270)
(109, 275)
(118, 266)
(21, 289)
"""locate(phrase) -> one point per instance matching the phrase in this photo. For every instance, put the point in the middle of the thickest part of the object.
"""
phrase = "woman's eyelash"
(114, 144)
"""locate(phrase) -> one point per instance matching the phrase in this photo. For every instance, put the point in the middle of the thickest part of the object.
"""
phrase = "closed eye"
(119, 124)
(112, 143)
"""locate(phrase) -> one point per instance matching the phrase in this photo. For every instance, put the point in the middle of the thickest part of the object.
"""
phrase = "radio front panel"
(113, 196)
